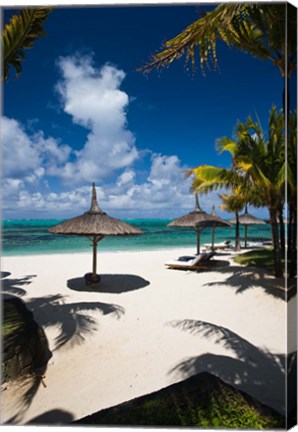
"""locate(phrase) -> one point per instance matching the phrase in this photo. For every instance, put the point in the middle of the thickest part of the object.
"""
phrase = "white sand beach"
(143, 328)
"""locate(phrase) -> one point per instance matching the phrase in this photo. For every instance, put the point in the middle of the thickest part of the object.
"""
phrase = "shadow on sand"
(256, 371)
(110, 283)
(13, 285)
(242, 278)
(73, 322)
(215, 264)
(52, 417)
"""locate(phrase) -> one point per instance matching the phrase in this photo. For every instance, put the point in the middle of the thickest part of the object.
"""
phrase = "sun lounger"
(267, 242)
(222, 245)
(191, 262)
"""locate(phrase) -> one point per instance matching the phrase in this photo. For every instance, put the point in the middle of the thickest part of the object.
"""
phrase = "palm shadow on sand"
(74, 323)
(256, 371)
(15, 286)
(109, 283)
(242, 278)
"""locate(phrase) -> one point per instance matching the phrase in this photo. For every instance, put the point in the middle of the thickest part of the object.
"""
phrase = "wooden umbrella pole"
(245, 236)
(94, 240)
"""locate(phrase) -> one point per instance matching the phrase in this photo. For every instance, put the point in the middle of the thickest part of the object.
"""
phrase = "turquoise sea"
(31, 237)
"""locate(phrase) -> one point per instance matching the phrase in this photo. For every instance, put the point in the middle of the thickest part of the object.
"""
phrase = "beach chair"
(223, 245)
(196, 262)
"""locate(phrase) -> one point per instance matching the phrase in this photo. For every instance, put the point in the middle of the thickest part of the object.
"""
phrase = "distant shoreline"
(32, 238)
(102, 251)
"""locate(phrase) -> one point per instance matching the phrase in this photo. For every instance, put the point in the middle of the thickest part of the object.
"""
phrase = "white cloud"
(160, 194)
(94, 100)
(29, 156)
(165, 193)
(50, 204)
(52, 151)
(126, 178)
(165, 170)
(20, 155)
(11, 188)
(36, 175)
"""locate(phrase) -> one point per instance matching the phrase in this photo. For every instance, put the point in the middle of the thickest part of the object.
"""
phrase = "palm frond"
(226, 144)
(218, 176)
(244, 165)
(249, 27)
(20, 34)
(233, 202)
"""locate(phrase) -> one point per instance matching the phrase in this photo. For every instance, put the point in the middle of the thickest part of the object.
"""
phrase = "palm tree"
(258, 170)
(234, 203)
(265, 31)
(276, 147)
(264, 162)
(19, 34)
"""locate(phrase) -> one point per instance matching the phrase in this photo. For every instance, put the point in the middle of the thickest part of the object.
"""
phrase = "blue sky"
(81, 112)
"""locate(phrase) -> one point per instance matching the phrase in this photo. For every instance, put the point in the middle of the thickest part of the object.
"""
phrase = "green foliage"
(207, 178)
(205, 402)
(12, 320)
(263, 258)
(255, 28)
(233, 202)
(20, 34)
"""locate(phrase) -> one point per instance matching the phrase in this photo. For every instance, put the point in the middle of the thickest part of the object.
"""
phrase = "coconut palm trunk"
(278, 270)
(237, 233)
(282, 230)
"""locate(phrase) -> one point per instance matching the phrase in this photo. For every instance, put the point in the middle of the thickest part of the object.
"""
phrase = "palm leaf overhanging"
(254, 28)
(20, 34)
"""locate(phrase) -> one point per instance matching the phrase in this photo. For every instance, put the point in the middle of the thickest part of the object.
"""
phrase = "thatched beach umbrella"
(216, 222)
(94, 224)
(198, 220)
(248, 219)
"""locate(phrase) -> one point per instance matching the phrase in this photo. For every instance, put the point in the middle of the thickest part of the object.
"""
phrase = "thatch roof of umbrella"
(216, 222)
(199, 220)
(248, 219)
(191, 219)
(95, 224)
